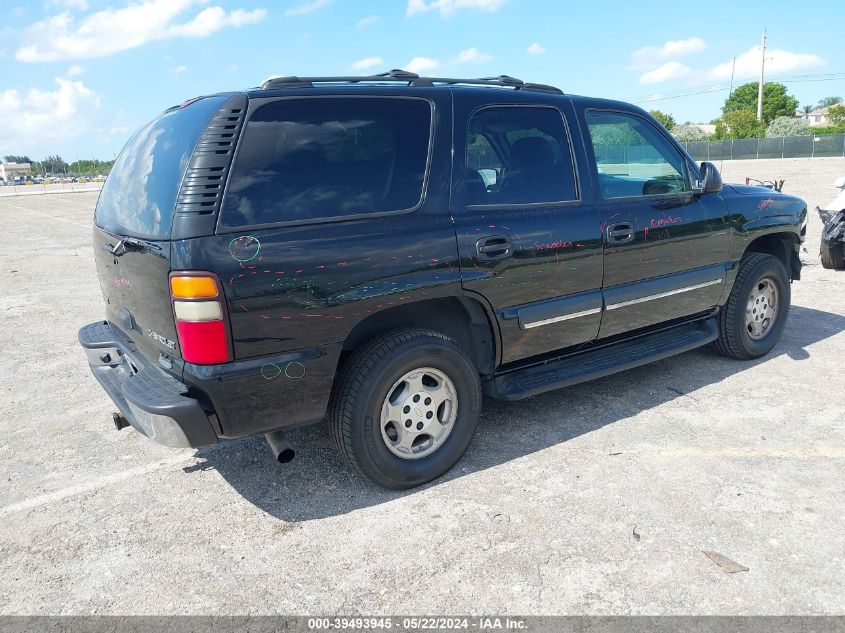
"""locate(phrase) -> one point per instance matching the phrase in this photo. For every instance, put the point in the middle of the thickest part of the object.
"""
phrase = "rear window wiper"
(127, 243)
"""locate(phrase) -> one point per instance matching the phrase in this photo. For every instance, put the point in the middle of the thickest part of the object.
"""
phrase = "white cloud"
(666, 72)
(535, 49)
(367, 62)
(421, 65)
(233, 68)
(368, 21)
(103, 33)
(448, 7)
(36, 117)
(308, 7)
(650, 55)
(178, 70)
(81, 5)
(213, 19)
(777, 61)
(75, 71)
(473, 56)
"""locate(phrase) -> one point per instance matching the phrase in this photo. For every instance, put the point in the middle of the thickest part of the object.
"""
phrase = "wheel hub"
(761, 310)
(419, 413)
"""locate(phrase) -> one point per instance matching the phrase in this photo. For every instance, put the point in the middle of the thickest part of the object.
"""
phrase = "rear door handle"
(493, 247)
(620, 233)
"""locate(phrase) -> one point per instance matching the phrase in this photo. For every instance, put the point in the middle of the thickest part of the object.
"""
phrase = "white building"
(818, 116)
(9, 170)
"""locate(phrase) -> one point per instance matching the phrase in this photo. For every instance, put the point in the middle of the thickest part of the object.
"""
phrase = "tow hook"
(278, 441)
(119, 421)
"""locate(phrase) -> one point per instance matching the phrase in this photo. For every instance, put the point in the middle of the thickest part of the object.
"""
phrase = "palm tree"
(807, 109)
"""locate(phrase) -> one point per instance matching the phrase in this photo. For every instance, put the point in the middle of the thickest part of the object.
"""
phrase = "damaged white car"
(832, 250)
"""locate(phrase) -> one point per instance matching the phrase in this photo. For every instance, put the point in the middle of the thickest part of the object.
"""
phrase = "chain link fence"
(832, 145)
(784, 147)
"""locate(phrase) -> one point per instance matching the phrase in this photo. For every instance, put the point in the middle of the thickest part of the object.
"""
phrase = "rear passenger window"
(518, 155)
(321, 158)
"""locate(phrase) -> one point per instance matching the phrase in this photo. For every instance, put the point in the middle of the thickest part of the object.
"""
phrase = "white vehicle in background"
(832, 249)
(835, 205)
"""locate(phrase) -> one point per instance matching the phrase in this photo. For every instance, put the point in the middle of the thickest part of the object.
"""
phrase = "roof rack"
(411, 79)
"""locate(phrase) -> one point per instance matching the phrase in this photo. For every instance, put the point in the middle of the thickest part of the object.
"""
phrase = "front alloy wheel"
(753, 318)
(761, 311)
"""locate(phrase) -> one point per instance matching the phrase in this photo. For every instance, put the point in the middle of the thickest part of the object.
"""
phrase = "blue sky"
(78, 76)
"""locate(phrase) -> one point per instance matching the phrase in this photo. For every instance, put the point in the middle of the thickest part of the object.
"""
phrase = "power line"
(787, 79)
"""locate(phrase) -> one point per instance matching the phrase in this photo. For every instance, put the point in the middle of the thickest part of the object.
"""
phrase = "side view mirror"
(711, 179)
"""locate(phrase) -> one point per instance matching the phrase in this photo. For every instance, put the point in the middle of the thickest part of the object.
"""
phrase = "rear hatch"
(133, 222)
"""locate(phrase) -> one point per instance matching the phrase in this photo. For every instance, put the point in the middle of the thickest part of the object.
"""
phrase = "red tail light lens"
(203, 342)
(200, 319)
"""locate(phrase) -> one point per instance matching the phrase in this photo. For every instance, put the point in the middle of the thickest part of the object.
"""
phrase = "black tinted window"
(139, 195)
(304, 159)
(532, 162)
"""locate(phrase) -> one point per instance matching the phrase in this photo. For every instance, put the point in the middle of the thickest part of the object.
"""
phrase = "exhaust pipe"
(120, 422)
(278, 441)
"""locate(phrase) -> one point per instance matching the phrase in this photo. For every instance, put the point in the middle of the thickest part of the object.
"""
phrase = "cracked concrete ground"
(597, 499)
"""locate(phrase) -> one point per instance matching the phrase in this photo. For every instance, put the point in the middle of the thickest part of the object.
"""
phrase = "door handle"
(493, 247)
(620, 233)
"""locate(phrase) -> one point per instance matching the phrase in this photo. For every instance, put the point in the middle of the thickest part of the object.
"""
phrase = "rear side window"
(139, 196)
(518, 155)
(320, 158)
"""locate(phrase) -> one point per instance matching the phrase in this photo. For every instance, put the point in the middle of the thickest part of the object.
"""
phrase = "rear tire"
(749, 324)
(426, 380)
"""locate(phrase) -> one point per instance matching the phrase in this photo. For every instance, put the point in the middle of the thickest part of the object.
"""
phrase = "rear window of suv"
(139, 196)
(314, 158)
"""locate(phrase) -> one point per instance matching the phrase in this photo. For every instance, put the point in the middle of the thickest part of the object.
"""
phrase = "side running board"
(584, 366)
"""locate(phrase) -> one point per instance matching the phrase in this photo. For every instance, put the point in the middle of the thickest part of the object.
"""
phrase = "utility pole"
(733, 72)
(762, 70)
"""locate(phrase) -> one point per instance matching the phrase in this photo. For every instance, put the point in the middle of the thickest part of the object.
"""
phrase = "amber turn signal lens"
(193, 287)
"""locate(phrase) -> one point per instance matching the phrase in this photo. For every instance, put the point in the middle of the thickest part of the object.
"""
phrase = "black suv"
(378, 251)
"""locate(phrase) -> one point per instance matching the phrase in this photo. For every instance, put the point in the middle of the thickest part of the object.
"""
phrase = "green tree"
(836, 114)
(54, 165)
(614, 135)
(90, 167)
(829, 101)
(739, 124)
(807, 109)
(687, 133)
(666, 120)
(776, 102)
(787, 126)
(12, 158)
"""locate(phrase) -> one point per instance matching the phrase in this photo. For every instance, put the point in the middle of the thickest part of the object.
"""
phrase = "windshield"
(139, 196)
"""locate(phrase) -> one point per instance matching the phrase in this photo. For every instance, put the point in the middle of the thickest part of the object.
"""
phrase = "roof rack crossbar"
(411, 79)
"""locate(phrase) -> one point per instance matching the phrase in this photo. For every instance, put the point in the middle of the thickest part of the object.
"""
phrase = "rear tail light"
(200, 318)
(193, 286)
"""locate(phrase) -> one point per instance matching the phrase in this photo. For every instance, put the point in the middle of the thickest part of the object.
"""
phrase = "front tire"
(752, 320)
(406, 407)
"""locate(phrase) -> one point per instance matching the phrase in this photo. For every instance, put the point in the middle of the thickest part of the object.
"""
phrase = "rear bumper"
(153, 402)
